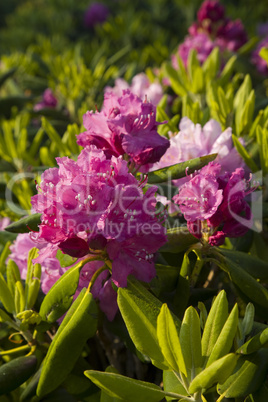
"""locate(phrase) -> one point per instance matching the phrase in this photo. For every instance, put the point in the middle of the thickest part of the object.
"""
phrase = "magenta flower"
(96, 207)
(211, 10)
(193, 141)
(231, 35)
(214, 205)
(48, 101)
(125, 126)
(200, 42)
(200, 198)
(140, 86)
(257, 60)
(97, 13)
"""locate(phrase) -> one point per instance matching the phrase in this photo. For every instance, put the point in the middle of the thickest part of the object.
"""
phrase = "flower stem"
(95, 276)
(15, 350)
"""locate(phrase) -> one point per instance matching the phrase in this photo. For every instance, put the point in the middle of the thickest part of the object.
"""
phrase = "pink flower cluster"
(125, 126)
(211, 29)
(193, 141)
(140, 86)
(48, 101)
(214, 205)
(95, 206)
(257, 60)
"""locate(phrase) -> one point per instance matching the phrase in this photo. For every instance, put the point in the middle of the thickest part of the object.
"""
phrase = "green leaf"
(244, 154)
(254, 344)
(16, 372)
(179, 170)
(124, 388)
(7, 75)
(19, 299)
(172, 383)
(215, 321)
(248, 285)
(13, 276)
(169, 341)
(60, 296)
(104, 396)
(79, 324)
(253, 265)
(248, 319)
(6, 296)
(176, 83)
(190, 339)
(226, 337)
(219, 370)
(248, 376)
(140, 309)
(179, 239)
(25, 225)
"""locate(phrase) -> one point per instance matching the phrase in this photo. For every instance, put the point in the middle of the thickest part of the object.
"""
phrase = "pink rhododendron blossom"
(200, 42)
(211, 10)
(48, 101)
(212, 29)
(4, 222)
(97, 13)
(96, 207)
(257, 60)
(214, 205)
(231, 35)
(125, 126)
(140, 86)
(193, 141)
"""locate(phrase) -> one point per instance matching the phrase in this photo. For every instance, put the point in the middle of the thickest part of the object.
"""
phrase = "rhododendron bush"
(133, 184)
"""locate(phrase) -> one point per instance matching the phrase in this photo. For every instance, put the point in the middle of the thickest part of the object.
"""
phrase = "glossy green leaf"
(179, 170)
(248, 376)
(215, 321)
(79, 324)
(244, 154)
(16, 372)
(106, 397)
(13, 276)
(190, 339)
(248, 319)
(218, 371)
(253, 265)
(140, 309)
(248, 285)
(6, 296)
(60, 296)
(225, 338)
(179, 239)
(25, 225)
(176, 83)
(172, 383)
(167, 335)
(125, 388)
(254, 344)
(19, 299)
(33, 270)
(5, 252)
(30, 389)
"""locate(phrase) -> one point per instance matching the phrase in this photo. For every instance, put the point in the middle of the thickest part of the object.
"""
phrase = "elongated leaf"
(215, 321)
(248, 376)
(7, 75)
(253, 265)
(226, 337)
(13, 276)
(140, 309)
(218, 371)
(127, 389)
(16, 372)
(248, 285)
(60, 296)
(179, 239)
(254, 344)
(169, 341)
(245, 155)
(6, 296)
(19, 297)
(25, 225)
(179, 170)
(190, 338)
(171, 383)
(79, 324)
